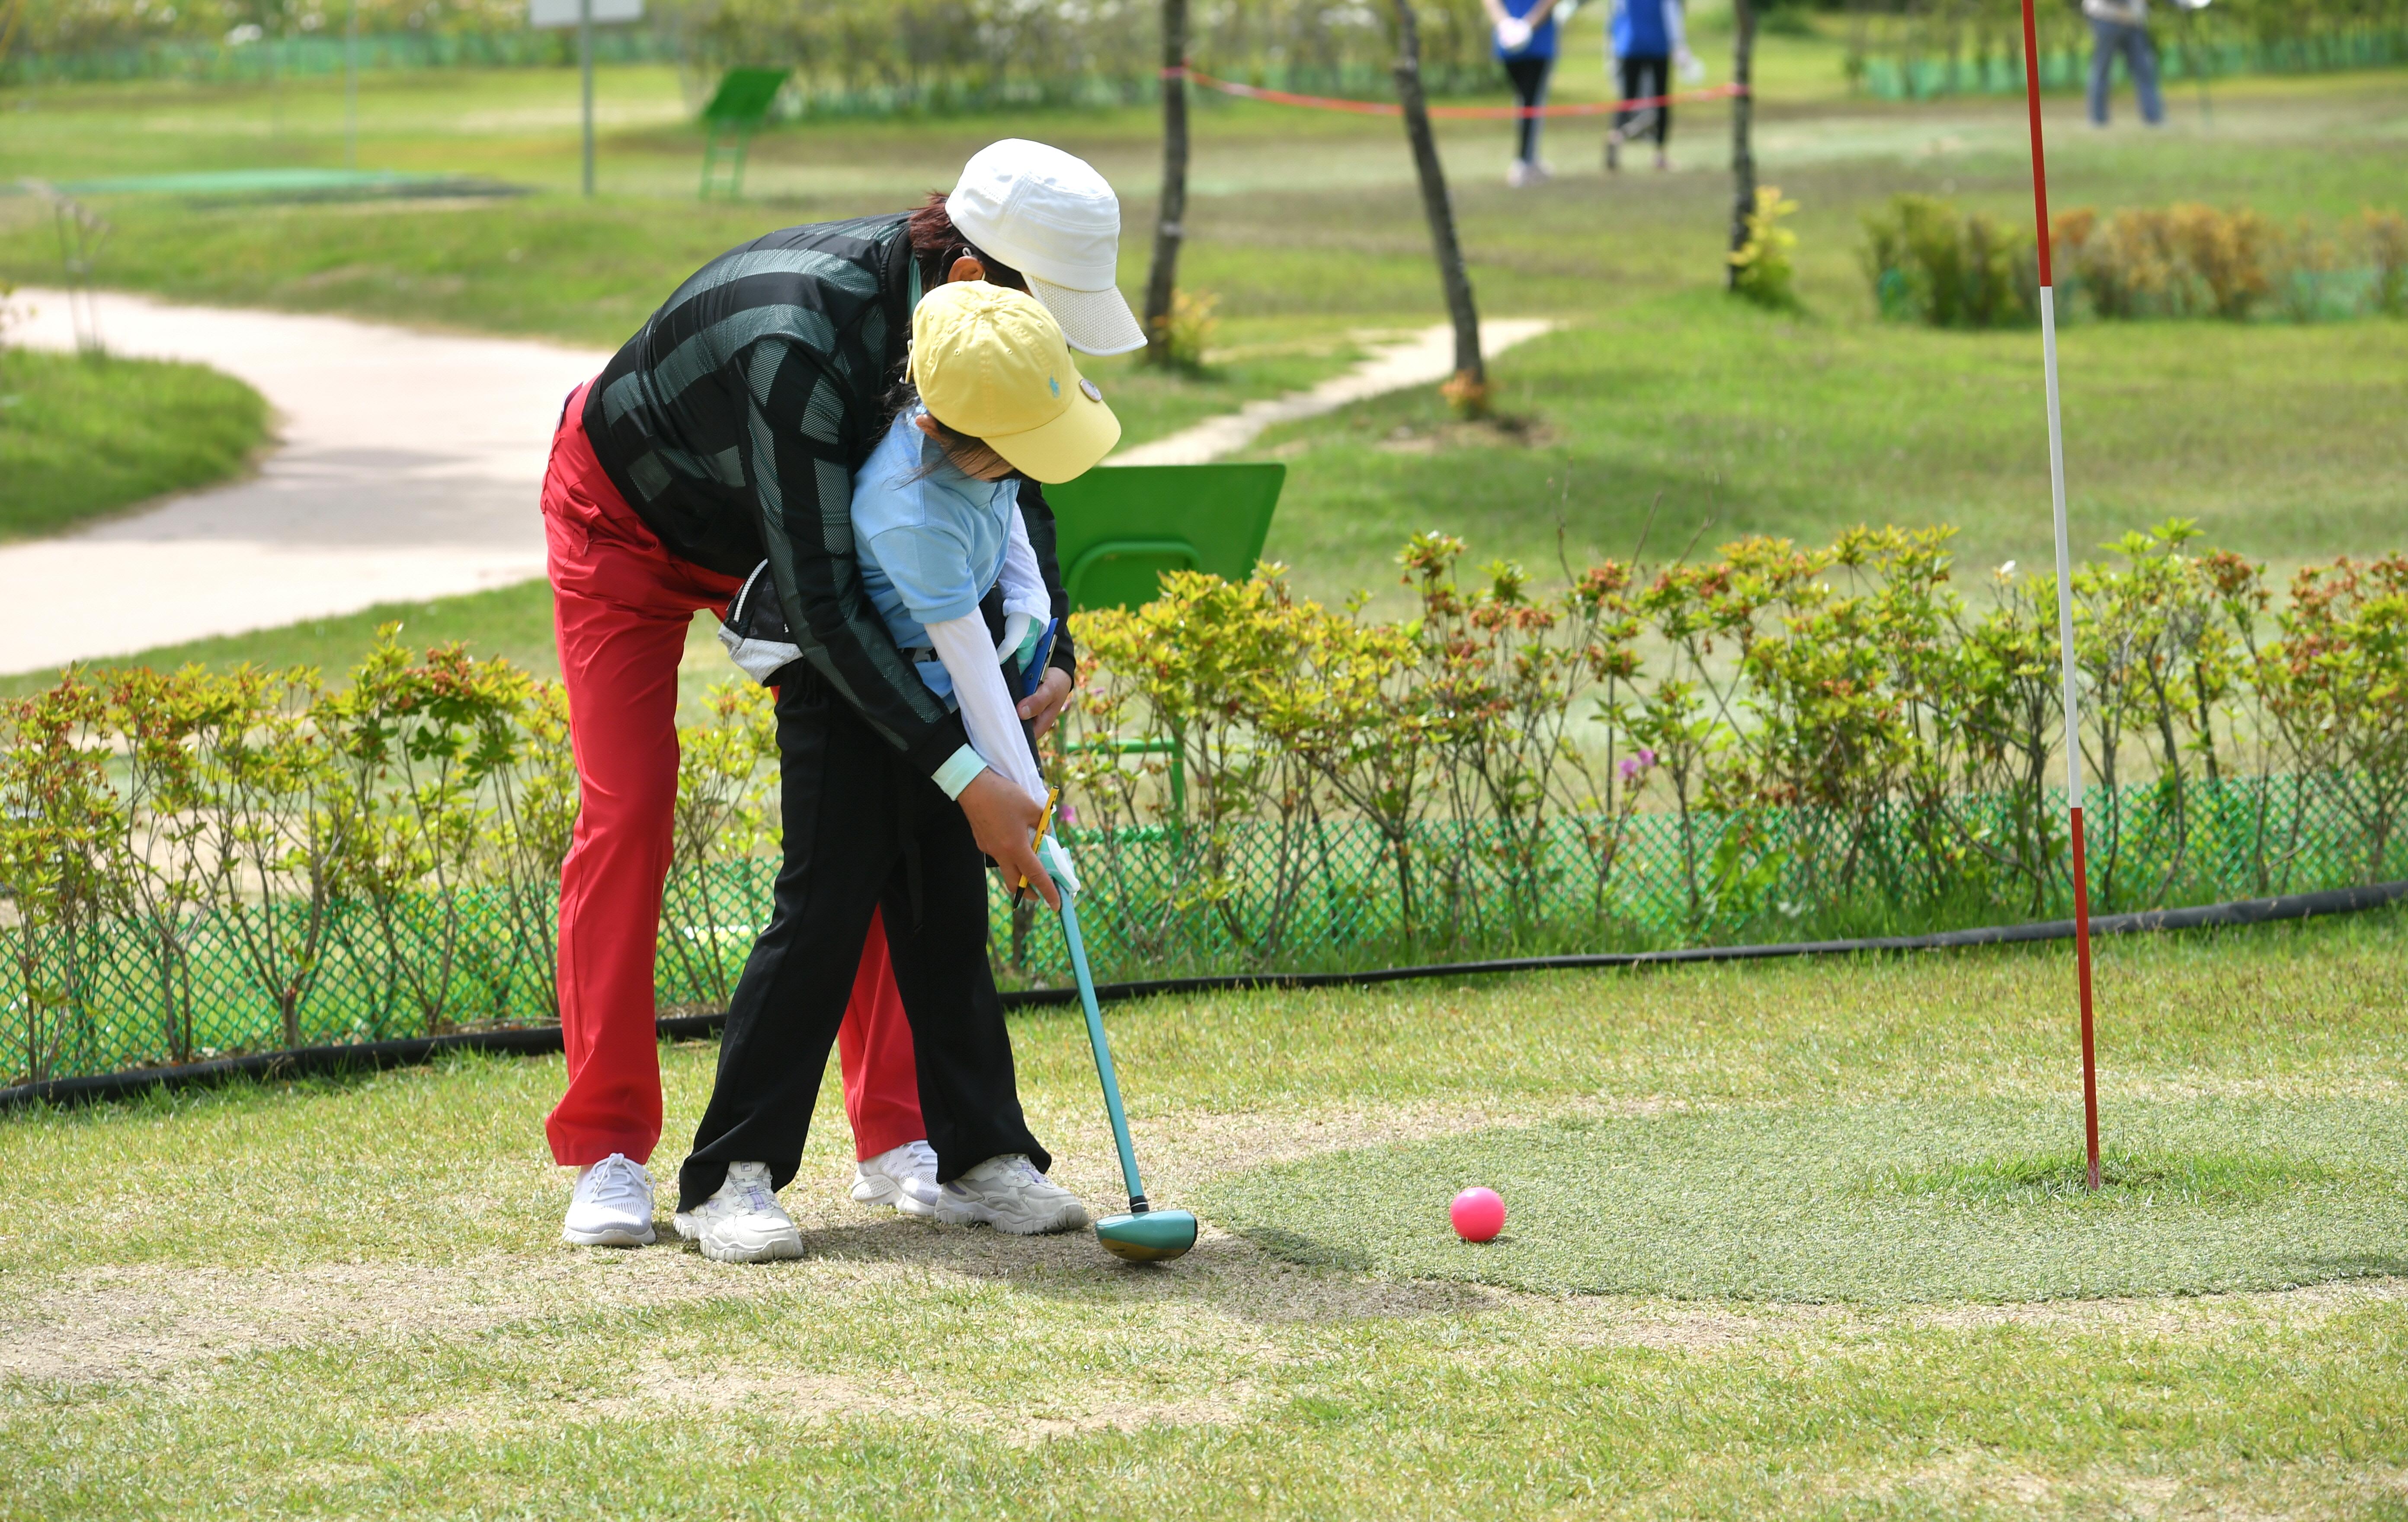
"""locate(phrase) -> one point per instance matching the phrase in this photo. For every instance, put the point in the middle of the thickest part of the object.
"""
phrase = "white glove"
(1020, 631)
(1691, 70)
(1513, 34)
(1056, 858)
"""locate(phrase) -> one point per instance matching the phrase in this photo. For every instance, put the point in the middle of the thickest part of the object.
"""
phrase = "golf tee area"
(1810, 1237)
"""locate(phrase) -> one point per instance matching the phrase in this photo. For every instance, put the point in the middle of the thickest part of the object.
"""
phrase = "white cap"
(1051, 216)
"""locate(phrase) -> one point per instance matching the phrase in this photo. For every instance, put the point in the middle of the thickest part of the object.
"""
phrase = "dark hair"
(902, 397)
(936, 243)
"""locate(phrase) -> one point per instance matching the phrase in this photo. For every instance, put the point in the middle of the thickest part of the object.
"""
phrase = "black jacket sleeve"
(804, 416)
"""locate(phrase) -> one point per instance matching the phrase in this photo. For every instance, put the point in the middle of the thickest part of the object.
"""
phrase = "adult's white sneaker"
(903, 1176)
(613, 1205)
(1010, 1195)
(742, 1223)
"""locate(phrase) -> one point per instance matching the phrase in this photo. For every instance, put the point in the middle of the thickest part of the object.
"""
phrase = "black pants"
(1644, 79)
(1529, 76)
(862, 831)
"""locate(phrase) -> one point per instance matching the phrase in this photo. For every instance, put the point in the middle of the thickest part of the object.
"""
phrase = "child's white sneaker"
(1010, 1195)
(902, 1176)
(742, 1223)
(613, 1205)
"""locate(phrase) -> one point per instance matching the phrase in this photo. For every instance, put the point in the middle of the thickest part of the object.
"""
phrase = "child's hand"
(1044, 706)
(1003, 819)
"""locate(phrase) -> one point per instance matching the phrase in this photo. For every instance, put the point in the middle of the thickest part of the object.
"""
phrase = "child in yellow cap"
(936, 515)
(937, 529)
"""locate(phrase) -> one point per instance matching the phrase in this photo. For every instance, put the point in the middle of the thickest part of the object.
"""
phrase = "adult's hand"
(1003, 819)
(1043, 706)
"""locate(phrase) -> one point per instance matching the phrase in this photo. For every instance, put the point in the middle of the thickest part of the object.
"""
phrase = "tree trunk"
(1469, 389)
(1742, 110)
(1162, 282)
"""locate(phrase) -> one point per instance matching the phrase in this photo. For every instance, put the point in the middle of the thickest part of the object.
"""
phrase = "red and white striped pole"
(2064, 594)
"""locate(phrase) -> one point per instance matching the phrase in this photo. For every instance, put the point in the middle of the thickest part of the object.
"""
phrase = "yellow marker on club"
(1052, 796)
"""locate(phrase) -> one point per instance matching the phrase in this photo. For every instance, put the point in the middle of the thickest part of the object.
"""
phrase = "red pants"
(621, 608)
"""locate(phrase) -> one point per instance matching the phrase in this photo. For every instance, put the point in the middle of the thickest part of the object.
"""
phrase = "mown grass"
(1922, 1200)
(80, 437)
(1662, 397)
(343, 1295)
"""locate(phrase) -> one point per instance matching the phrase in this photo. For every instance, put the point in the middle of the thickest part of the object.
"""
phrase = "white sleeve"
(1023, 584)
(1674, 33)
(987, 710)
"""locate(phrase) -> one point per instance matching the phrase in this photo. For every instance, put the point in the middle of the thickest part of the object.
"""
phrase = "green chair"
(737, 111)
(1119, 528)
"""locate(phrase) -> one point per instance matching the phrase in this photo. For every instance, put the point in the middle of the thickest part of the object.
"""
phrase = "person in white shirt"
(2120, 29)
(938, 535)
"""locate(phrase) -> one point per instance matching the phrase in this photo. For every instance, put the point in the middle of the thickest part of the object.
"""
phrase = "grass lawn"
(79, 438)
(1658, 396)
(344, 1296)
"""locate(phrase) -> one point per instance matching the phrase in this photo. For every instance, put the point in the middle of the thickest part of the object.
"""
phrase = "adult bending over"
(721, 440)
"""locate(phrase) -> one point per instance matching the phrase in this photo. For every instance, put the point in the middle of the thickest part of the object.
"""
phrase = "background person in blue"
(1642, 42)
(1526, 32)
(944, 558)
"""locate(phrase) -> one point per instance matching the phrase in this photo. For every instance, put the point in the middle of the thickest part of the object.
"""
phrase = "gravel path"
(408, 468)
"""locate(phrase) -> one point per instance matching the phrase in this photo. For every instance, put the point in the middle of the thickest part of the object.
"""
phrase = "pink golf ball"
(1478, 1214)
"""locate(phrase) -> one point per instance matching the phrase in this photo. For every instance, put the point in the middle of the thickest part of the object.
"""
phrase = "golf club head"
(1155, 1236)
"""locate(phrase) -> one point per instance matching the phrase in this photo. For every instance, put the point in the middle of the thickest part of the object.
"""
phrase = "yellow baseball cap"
(992, 362)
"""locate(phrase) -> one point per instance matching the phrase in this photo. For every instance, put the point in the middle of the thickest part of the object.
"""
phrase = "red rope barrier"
(1460, 113)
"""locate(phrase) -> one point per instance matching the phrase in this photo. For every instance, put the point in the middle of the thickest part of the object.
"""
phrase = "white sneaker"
(742, 1223)
(613, 1205)
(1010, 1195)
(903, 1176)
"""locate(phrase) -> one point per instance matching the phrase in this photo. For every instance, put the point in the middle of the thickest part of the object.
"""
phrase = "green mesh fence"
(2066, 70)
(1314, 893)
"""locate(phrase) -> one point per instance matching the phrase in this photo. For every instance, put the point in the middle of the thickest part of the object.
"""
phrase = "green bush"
(1761, 268)
(1929, 262)
(1779, 741)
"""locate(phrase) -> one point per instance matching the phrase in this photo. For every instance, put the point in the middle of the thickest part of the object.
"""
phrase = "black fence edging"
(542, 1040)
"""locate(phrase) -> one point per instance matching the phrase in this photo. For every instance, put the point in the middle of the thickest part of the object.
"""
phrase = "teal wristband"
(959, 769)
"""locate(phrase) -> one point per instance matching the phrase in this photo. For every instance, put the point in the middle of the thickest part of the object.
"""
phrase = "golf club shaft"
(1103, 1049)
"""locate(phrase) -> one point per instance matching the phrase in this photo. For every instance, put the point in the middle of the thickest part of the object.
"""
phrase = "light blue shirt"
(929, 539)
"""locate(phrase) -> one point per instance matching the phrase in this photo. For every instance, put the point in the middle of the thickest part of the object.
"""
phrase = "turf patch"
(79, 437)
(1877, 1205)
